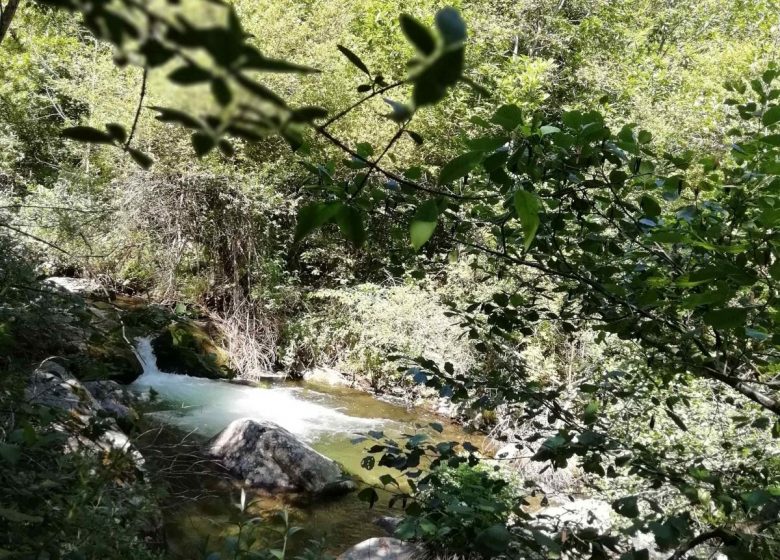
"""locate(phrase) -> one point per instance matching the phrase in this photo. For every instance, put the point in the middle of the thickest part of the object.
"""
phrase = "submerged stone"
(269, 457)
(383, 548)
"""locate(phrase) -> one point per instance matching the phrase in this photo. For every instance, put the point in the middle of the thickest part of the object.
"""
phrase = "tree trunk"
(6, 15)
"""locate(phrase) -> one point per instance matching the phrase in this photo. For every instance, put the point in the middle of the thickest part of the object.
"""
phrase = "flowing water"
(327, 418)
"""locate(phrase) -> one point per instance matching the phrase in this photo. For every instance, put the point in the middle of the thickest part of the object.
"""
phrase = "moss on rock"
(186, 347)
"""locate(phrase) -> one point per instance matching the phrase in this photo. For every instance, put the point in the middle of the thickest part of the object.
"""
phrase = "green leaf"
(174, 115)
(415, 137)
(756, 498)
(87, 134)
(117, 132)
(495, 539)
(388, 480)
(354, 59)
(527, 208)
(260, 90)
(368, 495)
(226, 148)
(140, 158)
(729, 318)
(203, 143)
(771, 116)
(350, 222)
(155, 52)
(508, 117)
(627, 507)
(10, 453)
(313, 216)
(459, 167)
(591, 412)
(451, 26)
(650, 206)
(418, 34)
(256, 61)
(190, 75)
(308, 114)
(772, 140)
(424, 223)
(443, 72)
(487, 143)
(221, 91)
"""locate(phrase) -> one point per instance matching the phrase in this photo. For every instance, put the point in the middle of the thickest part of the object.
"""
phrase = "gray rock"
(576, 516)
(268, 456)
(326, 376)
(646, 541)
(383, 548)
(80, 286)
(113, 398)
(508, 452)
(52, 386)
(388, 523)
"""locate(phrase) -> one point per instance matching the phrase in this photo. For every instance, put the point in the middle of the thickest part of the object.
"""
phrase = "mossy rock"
(187, 348)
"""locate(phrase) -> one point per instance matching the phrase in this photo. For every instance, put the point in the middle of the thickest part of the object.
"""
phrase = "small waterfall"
(145, 353)
(207, 406)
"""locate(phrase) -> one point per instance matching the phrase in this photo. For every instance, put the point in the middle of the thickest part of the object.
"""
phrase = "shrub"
(354, 329)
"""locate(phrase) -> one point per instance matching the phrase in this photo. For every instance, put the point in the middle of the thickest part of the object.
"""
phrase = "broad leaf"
(459, 167)
(527, 209)
(88, 134)
(424, 223)
(451, 26)
(419, 35)
(508, 117)
(771, 116)
(354, 59)
(313, 216)
(350, 222)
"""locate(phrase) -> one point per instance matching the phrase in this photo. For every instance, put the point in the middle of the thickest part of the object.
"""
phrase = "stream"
(327, 418)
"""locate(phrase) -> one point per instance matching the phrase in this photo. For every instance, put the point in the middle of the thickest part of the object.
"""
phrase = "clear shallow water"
(207, 406)
(328, 421)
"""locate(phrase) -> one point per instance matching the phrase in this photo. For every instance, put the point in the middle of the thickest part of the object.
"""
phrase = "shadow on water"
(201, 509)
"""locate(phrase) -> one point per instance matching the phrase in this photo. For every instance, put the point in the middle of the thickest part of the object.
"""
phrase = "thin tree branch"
(34, 237)
(377, 161)
(345, 112)
(141, 97)
(401, 180)
(718, 533)
(6, 15)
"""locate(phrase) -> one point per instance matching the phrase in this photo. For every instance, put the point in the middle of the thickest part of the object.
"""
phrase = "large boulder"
(268, 456)
(52, 386)
(383, 548)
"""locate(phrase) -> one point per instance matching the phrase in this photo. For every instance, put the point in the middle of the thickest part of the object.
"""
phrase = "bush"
(462, 510)
(354, 329)
(73, 505)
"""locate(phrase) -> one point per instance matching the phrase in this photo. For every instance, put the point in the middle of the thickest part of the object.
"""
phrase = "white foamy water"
(207, 406)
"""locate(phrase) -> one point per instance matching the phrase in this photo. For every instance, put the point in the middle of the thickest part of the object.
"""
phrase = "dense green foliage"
(497, 180)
